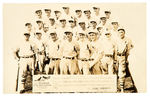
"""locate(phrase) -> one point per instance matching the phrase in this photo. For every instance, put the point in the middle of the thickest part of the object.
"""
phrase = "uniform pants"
(107, 65)
(53, 66)
(40, 59)
(23, 63)
(84, 66)
(68, 66)
(121, 69)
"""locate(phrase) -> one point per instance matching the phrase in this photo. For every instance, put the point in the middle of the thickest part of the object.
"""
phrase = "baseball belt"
(108, 55)
(54, 59)
(31, 56)
(84, 59)
(72, 58)
(121, 54)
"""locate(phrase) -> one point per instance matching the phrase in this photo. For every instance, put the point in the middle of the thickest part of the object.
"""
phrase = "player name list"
(75, 83)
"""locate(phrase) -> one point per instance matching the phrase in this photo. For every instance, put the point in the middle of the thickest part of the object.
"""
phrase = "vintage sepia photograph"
(74, 48)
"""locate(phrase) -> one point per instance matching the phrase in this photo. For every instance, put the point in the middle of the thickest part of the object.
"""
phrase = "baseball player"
(45, 32)
(93, 24)
(30, 29)
(96, 52)
(62, 27)
(107, 62)
(45, 27)
(82, 25)
(87, 17)
(124, 45)
(104, 24)
(67, 12)
(38, 14)
(77, 16)
(46, 16)
(39, 25)
(69, 49)
(103, 21)
(40, 51)
(96, 14)
(52, 23)
(25, 55)
(108, 14)
(48, 12)
(53, 52)
(57, 16)
(114, 30)
(96, 11)
(84, 53)
(100, 31)
(72, 25)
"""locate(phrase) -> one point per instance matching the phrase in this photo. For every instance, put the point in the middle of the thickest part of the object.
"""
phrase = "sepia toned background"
(130, 15)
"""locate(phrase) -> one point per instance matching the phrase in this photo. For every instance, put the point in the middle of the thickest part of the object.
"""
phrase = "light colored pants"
(107, 65)
(84, 66)
(40, 60)
(23, 63)
(53, 66)
(68, 65)
(121, 69)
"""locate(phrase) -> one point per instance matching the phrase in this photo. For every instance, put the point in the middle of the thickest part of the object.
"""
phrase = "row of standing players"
(77, 48)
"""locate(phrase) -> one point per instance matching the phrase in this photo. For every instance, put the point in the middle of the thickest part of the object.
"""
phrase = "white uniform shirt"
(74, 31)
(25, 48)
(84, 47)
(96, 47)
(60, 32)
(123, 45)
(114, 35)
(39, 45)
(53, 49)
(69, 49)
(109, 46)
(45, 36)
